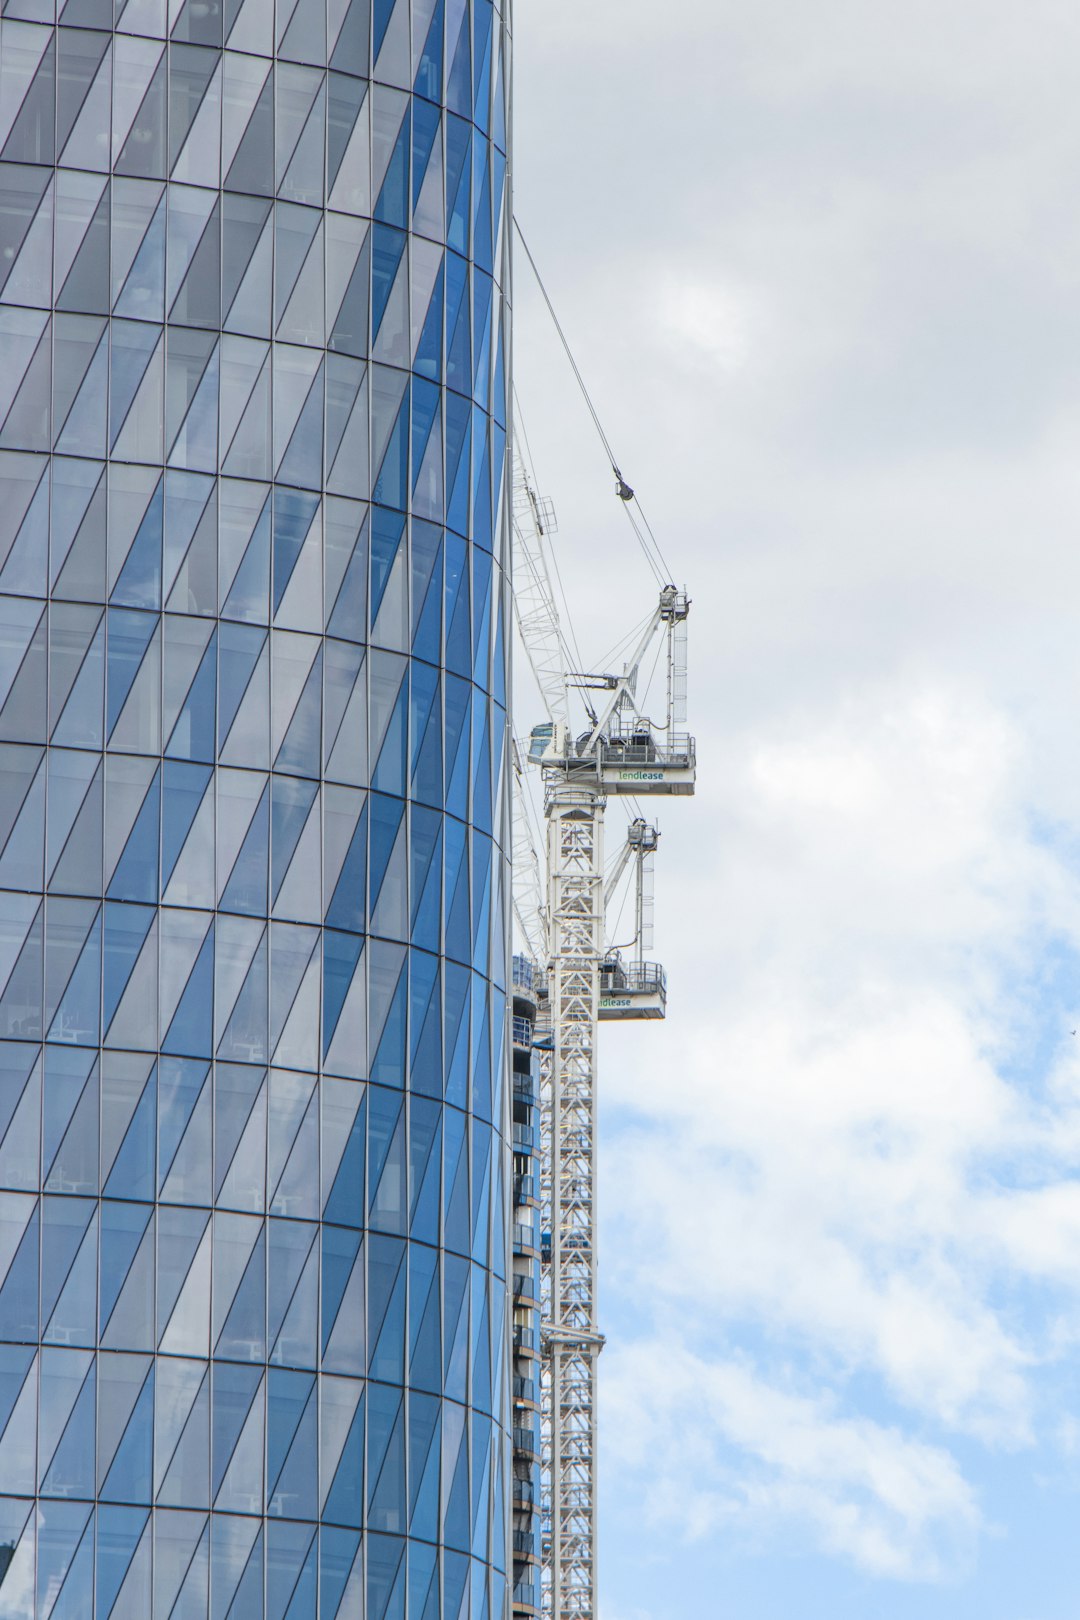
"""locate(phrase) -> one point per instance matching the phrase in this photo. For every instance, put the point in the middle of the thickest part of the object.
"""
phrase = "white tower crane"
(621, 752)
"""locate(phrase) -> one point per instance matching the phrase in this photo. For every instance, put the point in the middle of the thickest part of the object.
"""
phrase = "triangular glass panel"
(30, 117)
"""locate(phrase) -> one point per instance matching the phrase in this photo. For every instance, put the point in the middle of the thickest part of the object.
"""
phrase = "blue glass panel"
(181, 1562)
(119, 1530)
(347, 536)
(456, 1510)
(20, 1154)
(392, 480)
(428, 360)
(386, 814)
(294, 512)
(481, 1088)
(455, 1182)
(136, 874)
(482, 240)
(458, 142)
(425, 122)
(388, 1064)
(480, 1361)
(249, 592)
(292, 1474)
(481, 506)
(428, 80)
(381, 15)
(122, 1229)
(180, 1235)
(244, 1332)
(389, 773)
(387, 246)
(246, 889)
(299, 751)
(426, 1054)
(19, 1292)
(341, 953)
(139, 584)
(337, 1552)
(426, 856)
(15, 1363)
(346, 1203)
(345, 1501)
(65, 1551)
(425, 405)
(181, 1084)
(183, 789)
(458, 648)
(425, 1336)
(291, 1249)
(24, 569)
(482, 18)
(193, 733)
(70, 1469)
(392, 207)
(236, 1575)
(76, 1017)
(424, 1155)
(80, 722)
(129, 637)
(423, 1579)
(70, 1087)
(386, 1160)
(291, 801)
(234, 1389)
(129, 1478)
(386, 1459)
(455, 1048)
(71, 1321)
(191, 1030)
(339, 1250)
(240, 649)
(64, 1224)
(385, 1577)
(387, 532)
(423, 1455)
(386, 1308)
(291, 1571)
(456, 891)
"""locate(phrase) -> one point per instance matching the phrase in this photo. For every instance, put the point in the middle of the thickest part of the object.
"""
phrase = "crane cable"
(654, 556)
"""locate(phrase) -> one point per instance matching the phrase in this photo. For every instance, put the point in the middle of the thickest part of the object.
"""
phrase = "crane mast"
(570, 1340)
(621, 753)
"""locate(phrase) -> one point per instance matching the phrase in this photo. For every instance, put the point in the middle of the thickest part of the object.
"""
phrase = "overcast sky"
(820, 262)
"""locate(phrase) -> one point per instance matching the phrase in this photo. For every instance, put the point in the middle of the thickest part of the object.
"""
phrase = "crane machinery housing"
(581, 979)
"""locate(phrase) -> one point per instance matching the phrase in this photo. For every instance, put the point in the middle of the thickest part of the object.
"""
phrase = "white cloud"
(831, 1163)
(707, 324)
(891, 1504)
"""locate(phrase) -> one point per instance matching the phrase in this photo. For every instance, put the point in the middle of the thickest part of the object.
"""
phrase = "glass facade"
(254, 1124)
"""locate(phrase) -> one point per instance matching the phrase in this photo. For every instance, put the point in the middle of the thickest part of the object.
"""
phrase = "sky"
(819, 261)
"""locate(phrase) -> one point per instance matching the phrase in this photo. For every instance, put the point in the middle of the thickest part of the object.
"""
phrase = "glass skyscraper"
(254, 1126)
